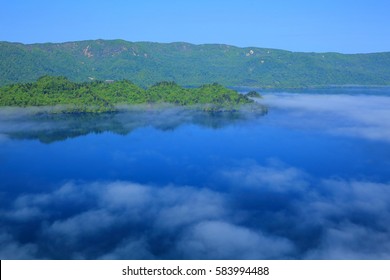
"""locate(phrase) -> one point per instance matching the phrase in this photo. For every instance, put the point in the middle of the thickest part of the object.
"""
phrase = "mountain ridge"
(188, 43)
(146, 63)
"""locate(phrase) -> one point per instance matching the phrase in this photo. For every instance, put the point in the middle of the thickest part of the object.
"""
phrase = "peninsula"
(106, 96)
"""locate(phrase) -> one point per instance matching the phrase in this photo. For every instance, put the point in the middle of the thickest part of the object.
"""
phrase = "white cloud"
(122, 195)
(24, 214)
(221, 240)
(185, 206)
(352, 115)
(130, 249)
(271, 211)
(350, 241)
(123, 208)
(10, 249)
(86, 224)
(273, 177)
(344, 218)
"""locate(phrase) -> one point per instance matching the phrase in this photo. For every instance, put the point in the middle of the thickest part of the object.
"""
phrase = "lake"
(310, 179)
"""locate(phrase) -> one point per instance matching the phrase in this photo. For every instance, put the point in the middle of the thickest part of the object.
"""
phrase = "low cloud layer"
(266, 212)
(362, 116)
(351, 115)
(39, 123)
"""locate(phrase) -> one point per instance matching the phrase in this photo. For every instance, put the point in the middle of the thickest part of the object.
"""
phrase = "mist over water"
(308, 180)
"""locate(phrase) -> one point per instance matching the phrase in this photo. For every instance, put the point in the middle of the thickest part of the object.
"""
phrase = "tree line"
(100, 96)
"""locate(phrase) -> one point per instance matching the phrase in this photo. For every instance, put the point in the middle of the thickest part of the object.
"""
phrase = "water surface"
(308, 180)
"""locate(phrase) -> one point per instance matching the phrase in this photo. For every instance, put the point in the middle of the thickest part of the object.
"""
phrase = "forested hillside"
(146, 63)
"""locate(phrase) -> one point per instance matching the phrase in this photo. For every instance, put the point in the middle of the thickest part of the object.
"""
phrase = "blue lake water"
(308, 180)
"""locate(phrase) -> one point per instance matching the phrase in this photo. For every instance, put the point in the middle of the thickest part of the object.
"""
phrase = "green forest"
(105, 96)
(146, 63)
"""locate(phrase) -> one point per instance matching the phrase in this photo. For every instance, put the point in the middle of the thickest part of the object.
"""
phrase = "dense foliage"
(99, 96)
(253, 94)
(190, 65)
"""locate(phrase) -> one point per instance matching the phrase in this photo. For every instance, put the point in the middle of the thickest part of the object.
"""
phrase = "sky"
(346, 26)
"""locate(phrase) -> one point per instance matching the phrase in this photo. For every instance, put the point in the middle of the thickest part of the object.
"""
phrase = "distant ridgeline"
(99, 96)
(147, 63)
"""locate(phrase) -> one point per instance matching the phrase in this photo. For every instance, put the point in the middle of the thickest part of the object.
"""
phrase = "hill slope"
(146, 63)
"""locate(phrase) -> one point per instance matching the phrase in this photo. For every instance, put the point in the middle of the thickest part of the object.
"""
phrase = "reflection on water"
(48, 128)
(309, 180)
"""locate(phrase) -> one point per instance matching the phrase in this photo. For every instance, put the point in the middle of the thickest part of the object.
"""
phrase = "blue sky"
(347, 26)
